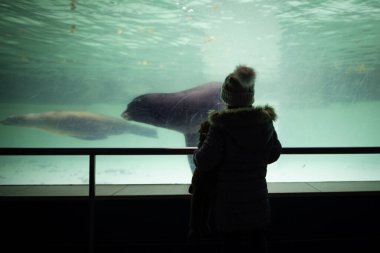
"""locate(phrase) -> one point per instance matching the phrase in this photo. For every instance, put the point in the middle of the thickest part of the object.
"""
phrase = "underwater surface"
(318, 64)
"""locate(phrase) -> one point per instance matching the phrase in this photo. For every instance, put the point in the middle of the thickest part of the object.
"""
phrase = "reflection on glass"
(174, 169)
(35, 170)
(325, 168)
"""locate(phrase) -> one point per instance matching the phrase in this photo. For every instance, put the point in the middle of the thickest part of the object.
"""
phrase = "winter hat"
(238, 87)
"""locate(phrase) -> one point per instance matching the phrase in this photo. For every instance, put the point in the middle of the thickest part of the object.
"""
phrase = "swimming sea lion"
(182, 111)
(82, 125)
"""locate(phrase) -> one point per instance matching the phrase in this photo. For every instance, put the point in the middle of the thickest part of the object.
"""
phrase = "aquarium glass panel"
(69, 69)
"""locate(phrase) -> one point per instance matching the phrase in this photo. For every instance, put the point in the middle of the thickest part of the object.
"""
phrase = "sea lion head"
(145, 108)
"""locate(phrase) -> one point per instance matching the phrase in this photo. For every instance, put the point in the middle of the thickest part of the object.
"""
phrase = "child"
(202, 188)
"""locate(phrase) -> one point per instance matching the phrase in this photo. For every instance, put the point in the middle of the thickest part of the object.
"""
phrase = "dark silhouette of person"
(229, 187)
(203, 190)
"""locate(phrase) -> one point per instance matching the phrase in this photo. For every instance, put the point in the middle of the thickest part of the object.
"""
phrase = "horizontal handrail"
(175, 151)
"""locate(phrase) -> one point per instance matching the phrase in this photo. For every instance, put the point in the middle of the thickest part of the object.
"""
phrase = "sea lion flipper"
(141, 130)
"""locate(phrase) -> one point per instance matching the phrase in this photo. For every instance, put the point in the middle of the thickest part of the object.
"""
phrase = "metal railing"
(93, 152)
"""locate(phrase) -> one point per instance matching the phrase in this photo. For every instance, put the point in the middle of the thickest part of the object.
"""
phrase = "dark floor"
(180, 189)
(306, 217)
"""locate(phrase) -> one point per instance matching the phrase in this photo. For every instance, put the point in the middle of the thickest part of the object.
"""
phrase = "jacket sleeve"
(276, 149)
(209, 154)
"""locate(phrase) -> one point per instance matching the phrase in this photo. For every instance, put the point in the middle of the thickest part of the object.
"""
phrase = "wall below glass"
(174, 169)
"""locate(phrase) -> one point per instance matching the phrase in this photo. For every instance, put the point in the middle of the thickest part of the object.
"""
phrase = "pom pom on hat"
(238, 87)
(245, 75)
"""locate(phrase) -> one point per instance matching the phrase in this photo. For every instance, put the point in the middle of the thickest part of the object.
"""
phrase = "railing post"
(91, 195)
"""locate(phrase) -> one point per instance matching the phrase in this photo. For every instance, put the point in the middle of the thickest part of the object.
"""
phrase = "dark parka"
(238, 146)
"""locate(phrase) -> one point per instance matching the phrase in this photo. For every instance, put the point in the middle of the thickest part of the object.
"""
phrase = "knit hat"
(238, 87)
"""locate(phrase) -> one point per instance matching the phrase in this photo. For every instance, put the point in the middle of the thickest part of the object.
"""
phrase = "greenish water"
(318, 63)
(336, 125)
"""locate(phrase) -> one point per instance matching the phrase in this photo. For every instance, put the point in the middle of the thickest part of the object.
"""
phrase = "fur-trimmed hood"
(243, 116)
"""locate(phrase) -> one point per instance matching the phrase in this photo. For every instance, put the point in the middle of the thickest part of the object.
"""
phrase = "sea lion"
(82, 125)
(182, 111)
